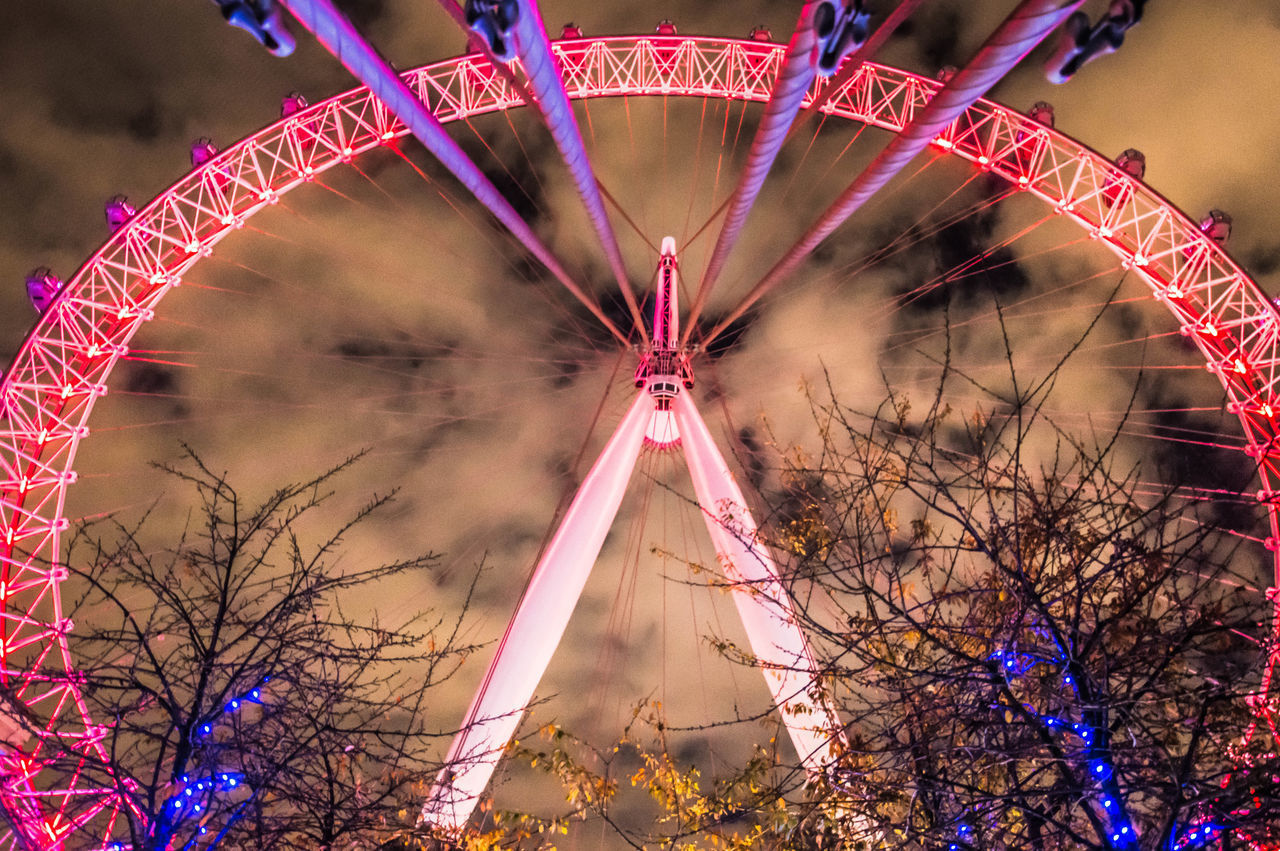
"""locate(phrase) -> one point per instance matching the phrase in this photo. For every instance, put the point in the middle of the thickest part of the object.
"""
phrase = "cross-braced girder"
(64, 366)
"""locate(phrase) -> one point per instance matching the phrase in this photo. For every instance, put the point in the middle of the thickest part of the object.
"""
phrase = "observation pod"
(118, 211)
(1133, 163)
(493, 21)
(1041, 112)
(202, 150)
(292, 103)
(1217, 226)
(42, 288)
(263, 20)
(841, 28)
(1079, 43)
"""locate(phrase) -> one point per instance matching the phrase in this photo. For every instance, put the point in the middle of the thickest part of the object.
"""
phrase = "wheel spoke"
(552, 101)
(332, 29)
(1026, 27)
(795, 77)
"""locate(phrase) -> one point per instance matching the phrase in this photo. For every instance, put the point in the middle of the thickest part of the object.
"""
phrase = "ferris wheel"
(88, 326)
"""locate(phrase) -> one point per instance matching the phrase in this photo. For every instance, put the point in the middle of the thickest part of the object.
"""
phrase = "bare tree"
(1032, 646)
(244, 707)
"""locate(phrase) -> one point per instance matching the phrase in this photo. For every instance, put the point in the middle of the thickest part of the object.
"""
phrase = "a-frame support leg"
(537, 626)
(779, 646)
(560, 575)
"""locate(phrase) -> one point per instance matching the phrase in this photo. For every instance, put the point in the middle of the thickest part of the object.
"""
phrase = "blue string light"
(1012, 663)
(196, 796)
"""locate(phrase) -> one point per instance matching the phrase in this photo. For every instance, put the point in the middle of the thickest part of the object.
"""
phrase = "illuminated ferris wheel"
(87, 325)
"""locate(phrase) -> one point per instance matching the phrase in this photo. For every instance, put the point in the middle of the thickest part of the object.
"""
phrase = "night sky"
(367, 312)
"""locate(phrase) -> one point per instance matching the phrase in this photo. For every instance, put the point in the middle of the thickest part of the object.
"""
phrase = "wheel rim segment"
(63, 366)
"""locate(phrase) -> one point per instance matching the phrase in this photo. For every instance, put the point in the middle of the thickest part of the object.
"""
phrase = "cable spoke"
(1014, 39)
(534, 50)
(332, 29)
(780, 123)
(795, 77)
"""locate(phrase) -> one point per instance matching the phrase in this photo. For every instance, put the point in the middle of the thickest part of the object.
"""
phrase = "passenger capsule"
(292, 103)
(119, 211)
(42, 287)
(1041, 112)
(202, 150)
(1217, 226)
(841, 28)
(494, 21)
(1133, 162)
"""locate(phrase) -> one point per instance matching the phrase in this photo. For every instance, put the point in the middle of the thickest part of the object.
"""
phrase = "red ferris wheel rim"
(49, 392)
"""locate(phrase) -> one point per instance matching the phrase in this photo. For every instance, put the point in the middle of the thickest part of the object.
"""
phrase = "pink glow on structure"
(536, 627)
(666, 320)
(662, 432)
(48, 392)
(780, 648)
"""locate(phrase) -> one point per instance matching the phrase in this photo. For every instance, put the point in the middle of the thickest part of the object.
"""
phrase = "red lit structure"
(63, 367)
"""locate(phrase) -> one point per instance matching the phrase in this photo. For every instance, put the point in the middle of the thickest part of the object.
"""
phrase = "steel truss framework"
(62, 368)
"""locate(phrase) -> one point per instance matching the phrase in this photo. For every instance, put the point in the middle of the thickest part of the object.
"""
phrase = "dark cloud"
(751, 454)
(364, 13)
(386, 354)
(937, 30)
(1262, 260)
(1192, 458)
(149, 379)
(731, 337)
(364, 311)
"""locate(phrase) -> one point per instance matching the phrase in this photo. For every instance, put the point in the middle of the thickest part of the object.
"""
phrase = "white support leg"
(763, 603)
(537, 626)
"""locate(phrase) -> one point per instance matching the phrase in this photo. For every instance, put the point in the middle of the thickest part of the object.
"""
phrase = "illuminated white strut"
(664, 413)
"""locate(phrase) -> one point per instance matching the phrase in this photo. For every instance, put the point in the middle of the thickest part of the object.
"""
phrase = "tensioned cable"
(339, 37)
(1021, 31)
(529, 38)
(795, 77)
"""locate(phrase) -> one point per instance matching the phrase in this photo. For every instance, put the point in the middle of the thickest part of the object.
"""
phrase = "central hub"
(664, 367)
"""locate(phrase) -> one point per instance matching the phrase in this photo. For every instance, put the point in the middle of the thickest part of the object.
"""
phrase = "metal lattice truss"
(63, 366)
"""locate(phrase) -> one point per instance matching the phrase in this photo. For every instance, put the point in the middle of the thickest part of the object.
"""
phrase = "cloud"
(375, 309)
